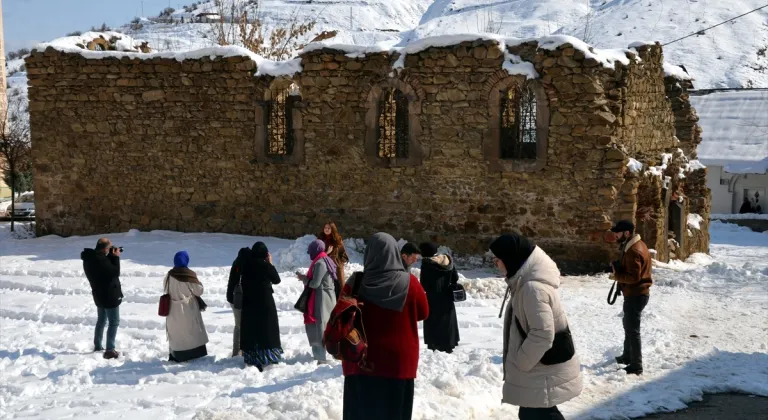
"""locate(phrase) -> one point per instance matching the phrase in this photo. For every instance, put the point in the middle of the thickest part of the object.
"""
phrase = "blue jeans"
(113, 315)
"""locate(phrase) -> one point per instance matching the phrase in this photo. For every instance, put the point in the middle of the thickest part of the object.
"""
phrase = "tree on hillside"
(15, 143)
(239, 23)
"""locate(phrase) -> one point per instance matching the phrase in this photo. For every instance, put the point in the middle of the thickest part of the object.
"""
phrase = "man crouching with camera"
(102, 268)
(633, 274)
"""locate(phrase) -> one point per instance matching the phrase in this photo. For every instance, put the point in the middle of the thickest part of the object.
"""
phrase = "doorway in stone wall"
(675, 226)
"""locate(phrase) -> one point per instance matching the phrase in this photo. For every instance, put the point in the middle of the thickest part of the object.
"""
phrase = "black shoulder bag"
(562, 346)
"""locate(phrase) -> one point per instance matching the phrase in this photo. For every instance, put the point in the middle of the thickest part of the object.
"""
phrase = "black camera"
(116, 248)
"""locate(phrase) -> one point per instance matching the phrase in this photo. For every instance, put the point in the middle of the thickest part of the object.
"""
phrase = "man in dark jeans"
(102, 268)
(633, 273)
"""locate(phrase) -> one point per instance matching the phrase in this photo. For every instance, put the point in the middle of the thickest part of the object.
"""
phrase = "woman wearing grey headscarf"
(393, 304)
(321, 278)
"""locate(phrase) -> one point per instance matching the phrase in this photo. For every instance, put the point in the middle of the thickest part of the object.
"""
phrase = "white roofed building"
(734, 147)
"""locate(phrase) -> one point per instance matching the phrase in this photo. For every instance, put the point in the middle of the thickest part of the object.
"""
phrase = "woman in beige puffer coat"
(533, 278)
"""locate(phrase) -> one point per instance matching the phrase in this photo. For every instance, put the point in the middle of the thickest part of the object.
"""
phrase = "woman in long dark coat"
(438, 278)
(259, 329)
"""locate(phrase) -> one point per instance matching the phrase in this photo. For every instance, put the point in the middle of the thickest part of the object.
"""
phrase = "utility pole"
(142, 8)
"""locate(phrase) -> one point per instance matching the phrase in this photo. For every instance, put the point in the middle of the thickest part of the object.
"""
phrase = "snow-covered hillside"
(732, 55)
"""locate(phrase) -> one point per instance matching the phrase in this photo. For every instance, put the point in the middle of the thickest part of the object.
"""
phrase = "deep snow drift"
(704, 331)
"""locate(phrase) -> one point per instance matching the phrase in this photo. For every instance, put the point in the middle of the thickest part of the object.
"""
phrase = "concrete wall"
(728, 198)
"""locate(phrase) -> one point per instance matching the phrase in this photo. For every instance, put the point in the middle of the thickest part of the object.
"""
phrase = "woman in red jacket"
(394, 303)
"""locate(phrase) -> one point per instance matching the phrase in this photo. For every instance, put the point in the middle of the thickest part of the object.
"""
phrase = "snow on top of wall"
(746, 216)
(694, 165)
(70, 43)
(694, 221)
(671, 70)
(513, 64)
(607, 57)
(735, 129)
(634, 166)
(264, 66)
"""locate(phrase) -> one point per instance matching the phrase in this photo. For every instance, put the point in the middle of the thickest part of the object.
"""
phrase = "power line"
(715, 26)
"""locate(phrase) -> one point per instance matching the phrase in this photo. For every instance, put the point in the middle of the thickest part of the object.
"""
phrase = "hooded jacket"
(536, 304)
(103, 273)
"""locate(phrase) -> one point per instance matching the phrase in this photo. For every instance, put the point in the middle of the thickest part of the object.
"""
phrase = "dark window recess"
(518, 123)
(279, 124)
(392, 128)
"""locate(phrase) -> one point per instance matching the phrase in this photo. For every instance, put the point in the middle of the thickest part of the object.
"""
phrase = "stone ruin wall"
(123, 143)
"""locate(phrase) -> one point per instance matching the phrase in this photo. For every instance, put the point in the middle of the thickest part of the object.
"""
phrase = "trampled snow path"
(705, 330)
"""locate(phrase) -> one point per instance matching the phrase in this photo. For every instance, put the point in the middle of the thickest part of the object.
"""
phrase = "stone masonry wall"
(122, 143)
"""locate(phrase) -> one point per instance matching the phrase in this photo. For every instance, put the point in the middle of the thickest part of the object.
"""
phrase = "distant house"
(207, 17)
(734, 146)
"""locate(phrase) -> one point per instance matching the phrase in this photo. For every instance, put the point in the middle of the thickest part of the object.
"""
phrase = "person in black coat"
(102, 269)
(746, 206)
(259, 329)
(234, 279)
(439, 278)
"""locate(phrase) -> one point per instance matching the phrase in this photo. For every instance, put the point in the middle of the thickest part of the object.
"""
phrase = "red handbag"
(165, 305)
(165, 301)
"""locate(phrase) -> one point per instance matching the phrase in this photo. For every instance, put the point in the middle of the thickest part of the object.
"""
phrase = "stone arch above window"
(393, 125)
(279, 128)
(519, 118)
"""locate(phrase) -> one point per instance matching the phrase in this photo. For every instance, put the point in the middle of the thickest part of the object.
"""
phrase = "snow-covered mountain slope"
(731, 55)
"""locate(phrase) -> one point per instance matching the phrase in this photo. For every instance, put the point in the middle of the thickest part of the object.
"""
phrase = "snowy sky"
(30, 21)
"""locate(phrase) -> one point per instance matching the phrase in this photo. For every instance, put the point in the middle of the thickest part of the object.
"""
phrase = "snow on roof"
(671, 70)
(607, 57)
(735, 129)
(264, 66)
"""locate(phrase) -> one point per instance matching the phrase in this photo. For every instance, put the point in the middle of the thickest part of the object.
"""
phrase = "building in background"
(734, 146)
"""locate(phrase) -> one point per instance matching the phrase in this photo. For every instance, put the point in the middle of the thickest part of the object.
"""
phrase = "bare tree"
(15, 144)
(239, 23)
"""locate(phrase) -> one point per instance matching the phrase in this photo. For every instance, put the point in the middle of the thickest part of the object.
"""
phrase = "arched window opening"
(392, 128)
(518, 123)
(279, 124)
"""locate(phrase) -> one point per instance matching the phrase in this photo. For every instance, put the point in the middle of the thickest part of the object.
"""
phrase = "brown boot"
(111, 354)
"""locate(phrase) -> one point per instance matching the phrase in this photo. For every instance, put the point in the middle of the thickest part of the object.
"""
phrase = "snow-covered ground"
(705, 330)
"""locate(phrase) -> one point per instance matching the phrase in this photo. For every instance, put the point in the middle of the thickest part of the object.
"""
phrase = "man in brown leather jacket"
(633, 273)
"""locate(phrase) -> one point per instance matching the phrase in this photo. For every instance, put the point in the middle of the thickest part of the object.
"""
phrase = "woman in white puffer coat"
(532, 279)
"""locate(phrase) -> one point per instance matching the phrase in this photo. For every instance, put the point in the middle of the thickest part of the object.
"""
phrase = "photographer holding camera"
(632, 272)
(102, 268)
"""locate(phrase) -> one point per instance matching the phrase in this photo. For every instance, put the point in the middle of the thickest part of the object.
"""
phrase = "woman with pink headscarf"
(323, 281)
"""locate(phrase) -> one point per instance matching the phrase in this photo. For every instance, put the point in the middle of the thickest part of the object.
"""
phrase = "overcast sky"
(28, 22)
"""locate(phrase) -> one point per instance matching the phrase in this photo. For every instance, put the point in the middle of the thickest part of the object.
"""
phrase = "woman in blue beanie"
(184, 325)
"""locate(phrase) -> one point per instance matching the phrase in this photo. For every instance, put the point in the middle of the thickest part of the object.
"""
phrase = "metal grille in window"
(279, 123)
(518, 123)
(393, 125)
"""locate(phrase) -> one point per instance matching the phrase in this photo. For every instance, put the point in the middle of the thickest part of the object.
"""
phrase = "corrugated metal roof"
(735, 125)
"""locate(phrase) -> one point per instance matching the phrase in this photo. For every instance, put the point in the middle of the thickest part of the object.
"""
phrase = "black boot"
(634, 370)
(622, 360)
